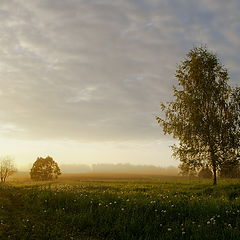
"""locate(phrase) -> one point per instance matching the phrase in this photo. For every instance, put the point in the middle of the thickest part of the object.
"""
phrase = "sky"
(82, 80)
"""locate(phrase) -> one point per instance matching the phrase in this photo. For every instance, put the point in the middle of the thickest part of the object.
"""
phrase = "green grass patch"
(120, 209)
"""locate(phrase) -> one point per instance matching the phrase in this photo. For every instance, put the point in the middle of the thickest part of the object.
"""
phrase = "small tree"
(44, 169)
(7, 168)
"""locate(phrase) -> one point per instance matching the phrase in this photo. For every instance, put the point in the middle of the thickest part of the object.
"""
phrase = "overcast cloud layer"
(97, 70)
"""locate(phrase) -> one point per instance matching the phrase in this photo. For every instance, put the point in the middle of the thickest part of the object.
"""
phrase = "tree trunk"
(213, 159)
(214, 174)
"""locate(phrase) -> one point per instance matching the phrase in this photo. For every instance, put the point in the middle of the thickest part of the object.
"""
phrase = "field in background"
(119, 206)
(24, 177)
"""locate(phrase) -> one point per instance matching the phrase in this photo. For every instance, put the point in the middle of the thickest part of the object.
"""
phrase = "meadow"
(123, 207)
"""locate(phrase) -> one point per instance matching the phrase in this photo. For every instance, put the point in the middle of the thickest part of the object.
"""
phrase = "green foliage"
(204, 114)
(44, 169)
(139, 209)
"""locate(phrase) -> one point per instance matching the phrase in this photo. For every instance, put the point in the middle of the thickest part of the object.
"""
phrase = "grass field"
(118, 207)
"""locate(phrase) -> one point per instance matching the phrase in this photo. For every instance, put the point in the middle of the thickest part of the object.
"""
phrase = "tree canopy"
(44, 169)
(204, 115)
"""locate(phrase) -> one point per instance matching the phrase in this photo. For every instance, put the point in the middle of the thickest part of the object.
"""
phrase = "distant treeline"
(118, 168)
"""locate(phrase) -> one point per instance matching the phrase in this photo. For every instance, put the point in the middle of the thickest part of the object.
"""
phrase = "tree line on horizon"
(46, 169)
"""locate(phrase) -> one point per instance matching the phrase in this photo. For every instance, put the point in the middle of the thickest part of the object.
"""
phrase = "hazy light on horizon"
(68, 152)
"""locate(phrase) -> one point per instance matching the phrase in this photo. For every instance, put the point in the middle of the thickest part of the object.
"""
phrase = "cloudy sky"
(82, 80)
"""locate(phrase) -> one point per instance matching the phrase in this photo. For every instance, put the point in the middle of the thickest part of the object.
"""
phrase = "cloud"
(86, 94)
(97, 70)
(9, 129)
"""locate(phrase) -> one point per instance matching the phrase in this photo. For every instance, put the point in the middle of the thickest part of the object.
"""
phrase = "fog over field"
(118, 168)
